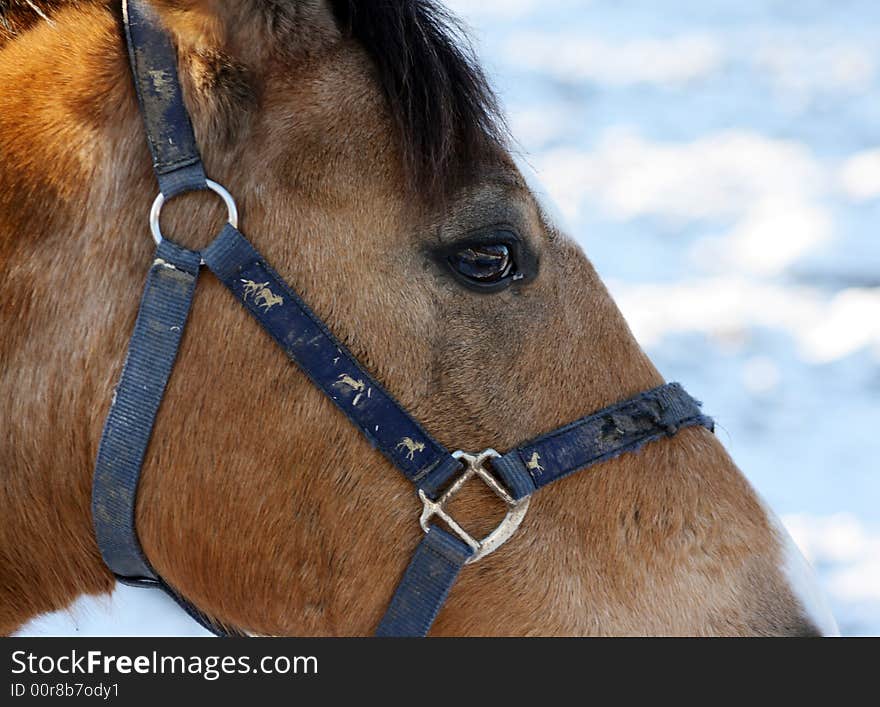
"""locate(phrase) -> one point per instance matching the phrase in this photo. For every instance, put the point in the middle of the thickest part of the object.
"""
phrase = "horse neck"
(73, 154)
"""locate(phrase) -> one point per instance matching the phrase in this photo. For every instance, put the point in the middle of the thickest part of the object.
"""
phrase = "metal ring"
(156, 209)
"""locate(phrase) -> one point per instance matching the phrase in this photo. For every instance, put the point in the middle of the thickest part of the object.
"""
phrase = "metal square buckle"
(516, 510)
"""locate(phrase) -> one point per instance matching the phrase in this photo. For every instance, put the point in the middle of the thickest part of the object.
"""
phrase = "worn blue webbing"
(608, 433)
(425, 585)
(169, 131)
(327, 362)
(153, 347)
(152, 350)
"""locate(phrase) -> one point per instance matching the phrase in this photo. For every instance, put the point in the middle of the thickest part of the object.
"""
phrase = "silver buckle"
(218, 189)
(516, 510)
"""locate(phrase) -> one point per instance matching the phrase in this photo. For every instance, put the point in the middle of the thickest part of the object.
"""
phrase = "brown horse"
(367, 155)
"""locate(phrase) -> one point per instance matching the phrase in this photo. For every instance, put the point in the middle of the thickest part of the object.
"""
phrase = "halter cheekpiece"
(437, 474)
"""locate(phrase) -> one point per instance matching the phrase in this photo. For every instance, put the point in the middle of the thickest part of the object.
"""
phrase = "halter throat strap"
(162, 314)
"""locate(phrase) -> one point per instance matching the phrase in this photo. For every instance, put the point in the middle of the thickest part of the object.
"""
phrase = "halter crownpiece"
(437, 474)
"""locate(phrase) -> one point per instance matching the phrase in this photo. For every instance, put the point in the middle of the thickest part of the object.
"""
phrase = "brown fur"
(259, 502)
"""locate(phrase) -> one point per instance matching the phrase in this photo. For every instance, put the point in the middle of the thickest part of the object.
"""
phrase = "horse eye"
(485, 264)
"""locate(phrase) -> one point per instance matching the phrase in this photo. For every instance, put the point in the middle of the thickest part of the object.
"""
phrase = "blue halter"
(436, 473)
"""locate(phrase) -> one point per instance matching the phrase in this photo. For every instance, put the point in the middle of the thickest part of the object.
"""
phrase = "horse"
(373, 167)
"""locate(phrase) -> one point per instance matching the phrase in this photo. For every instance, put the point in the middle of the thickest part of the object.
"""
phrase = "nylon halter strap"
(437, 474)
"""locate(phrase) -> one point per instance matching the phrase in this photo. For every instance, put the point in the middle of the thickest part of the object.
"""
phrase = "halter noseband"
(437, 474)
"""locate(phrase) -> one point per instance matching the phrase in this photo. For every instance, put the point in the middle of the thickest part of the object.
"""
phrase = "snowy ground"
(719, 162)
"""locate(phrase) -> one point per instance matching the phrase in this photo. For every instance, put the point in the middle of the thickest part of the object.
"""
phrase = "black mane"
(445, 113)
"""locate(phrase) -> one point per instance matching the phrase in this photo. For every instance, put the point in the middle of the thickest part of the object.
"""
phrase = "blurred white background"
(719, 161)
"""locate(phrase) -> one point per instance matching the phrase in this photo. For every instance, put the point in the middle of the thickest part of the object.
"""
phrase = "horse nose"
(803, 583)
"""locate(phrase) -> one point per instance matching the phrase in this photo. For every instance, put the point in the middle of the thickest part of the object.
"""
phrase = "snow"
(719, 162)
(129, 611)
(574, 57)
(860, 175)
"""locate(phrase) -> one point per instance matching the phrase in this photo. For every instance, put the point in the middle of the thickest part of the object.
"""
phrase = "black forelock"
(445, 113)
